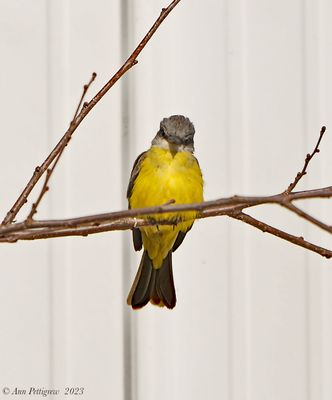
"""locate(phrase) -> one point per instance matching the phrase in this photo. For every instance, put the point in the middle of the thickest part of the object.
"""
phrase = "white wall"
(253, 319)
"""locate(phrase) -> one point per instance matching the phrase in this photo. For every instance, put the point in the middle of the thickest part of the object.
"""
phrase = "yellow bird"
(168, 171)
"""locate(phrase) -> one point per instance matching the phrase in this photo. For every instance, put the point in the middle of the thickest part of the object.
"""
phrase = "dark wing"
(137, 236)
(179, 239)
(137, 239)
(134, 173)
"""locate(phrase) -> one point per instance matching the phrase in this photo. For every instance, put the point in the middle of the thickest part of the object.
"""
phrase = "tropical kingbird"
(167, 172)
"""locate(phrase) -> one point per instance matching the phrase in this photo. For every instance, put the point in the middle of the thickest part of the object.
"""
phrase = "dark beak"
(174, 139)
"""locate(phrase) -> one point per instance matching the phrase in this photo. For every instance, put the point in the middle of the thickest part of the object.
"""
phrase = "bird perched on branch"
(166, 173)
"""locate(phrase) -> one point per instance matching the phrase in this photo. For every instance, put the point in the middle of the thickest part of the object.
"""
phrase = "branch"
(128, 219)
(87, 107)
(50, 170)
(298, 240)
(223, 206)
(307, 160)
(308, 217)
(233, 207)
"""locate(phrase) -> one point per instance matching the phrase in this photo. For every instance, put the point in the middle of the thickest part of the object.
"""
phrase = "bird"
(167, 173)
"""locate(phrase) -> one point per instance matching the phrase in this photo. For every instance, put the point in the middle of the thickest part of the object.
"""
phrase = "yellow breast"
(166, 176)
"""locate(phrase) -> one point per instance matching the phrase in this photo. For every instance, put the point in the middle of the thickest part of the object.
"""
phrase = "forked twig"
(87, 107)
(308, 217)
(298, 240)
(307, 160)
(50, 170)
(85, 91)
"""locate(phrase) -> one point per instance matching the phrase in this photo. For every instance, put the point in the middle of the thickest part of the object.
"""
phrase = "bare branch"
(128, 219)
(298, 240)
(50, 170)
(307, 160)
(308, 217)
(85, 91)
(87, 107)
(223, 206)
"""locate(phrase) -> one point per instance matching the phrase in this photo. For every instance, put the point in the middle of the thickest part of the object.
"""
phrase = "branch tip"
(307, 160)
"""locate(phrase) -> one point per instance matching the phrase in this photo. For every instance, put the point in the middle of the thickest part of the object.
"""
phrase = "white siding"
(253, 319)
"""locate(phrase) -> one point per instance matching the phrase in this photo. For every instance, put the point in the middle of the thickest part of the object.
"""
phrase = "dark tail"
(151, 284)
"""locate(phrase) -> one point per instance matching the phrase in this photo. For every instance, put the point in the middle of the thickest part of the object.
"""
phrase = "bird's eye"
(162, 133)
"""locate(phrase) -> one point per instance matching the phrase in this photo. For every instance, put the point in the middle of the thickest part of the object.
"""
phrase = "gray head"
(176, 133)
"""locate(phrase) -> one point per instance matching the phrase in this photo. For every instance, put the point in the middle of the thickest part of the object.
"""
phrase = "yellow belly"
(166, 176)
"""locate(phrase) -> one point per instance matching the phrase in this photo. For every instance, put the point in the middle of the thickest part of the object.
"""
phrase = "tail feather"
(165, 283)
(155, 285)
(139, 293)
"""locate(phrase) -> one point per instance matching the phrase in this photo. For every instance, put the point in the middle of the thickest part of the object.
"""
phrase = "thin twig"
(308, 217)
(50, 170)
(85, 90)
(297, 240)
(307, 160)
(87, 107)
